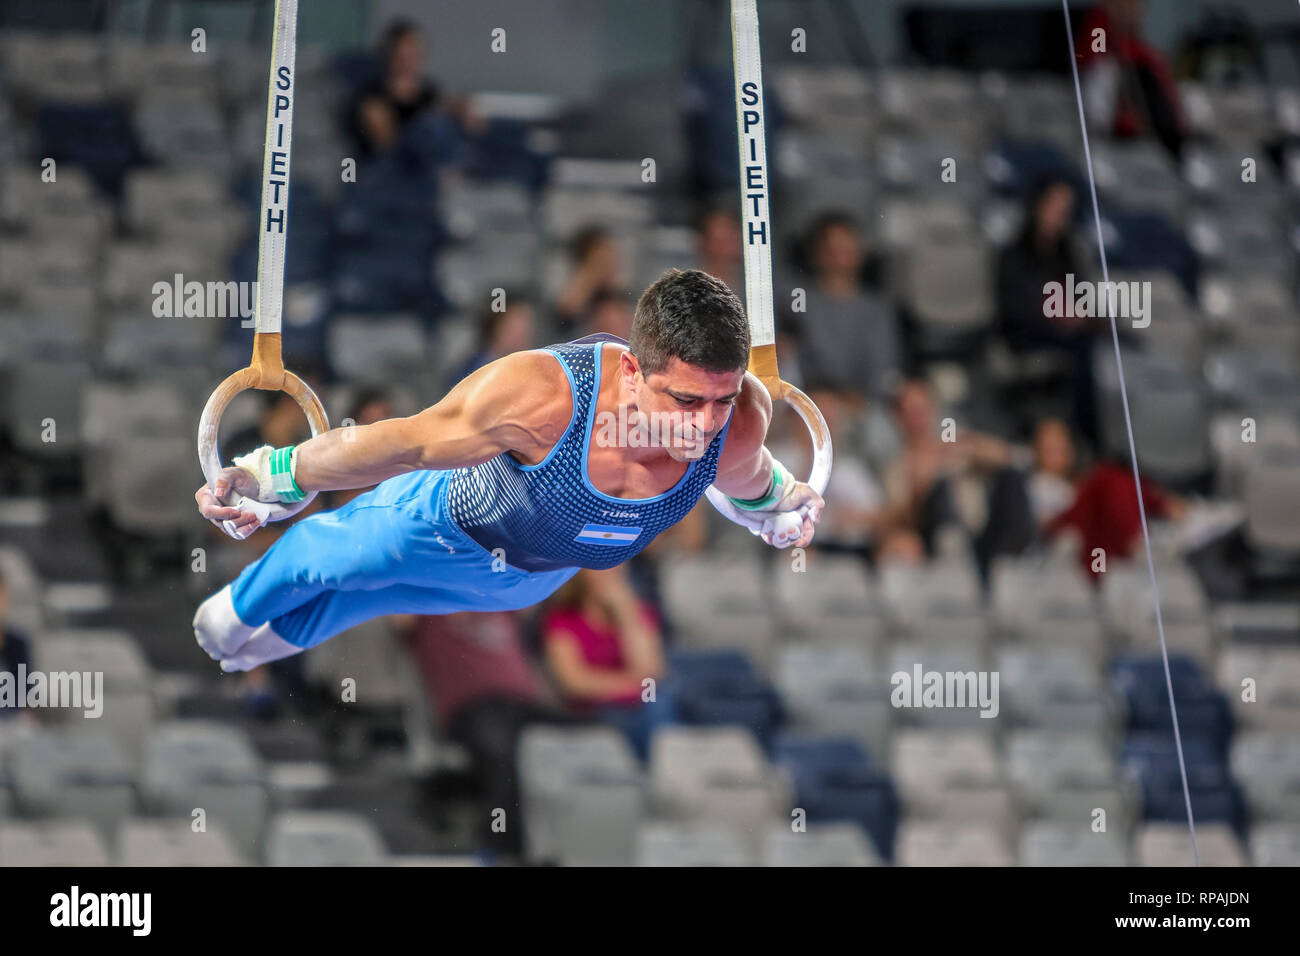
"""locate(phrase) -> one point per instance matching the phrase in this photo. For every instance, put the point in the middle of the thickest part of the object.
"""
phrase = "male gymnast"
(495, 496)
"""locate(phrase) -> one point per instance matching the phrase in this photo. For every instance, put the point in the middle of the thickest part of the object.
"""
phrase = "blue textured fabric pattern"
(549, 515)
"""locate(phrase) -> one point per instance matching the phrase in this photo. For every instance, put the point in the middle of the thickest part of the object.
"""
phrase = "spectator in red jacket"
(1105, 512)
(1129, 89)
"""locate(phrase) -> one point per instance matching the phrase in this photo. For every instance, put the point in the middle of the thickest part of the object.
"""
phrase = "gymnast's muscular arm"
(520, 403)
(745, 465)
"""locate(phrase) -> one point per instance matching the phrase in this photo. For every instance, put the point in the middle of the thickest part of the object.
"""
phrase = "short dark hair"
(396, 31)
(826, 222)
(586, 239)
(692, 316)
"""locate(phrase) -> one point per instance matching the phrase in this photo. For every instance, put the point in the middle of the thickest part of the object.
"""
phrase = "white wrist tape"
(273, 468)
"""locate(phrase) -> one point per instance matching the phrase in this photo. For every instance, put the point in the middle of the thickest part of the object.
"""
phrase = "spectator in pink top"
(601, 643)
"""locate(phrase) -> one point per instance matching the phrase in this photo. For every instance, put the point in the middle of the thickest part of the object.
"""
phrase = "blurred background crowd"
(928, 181)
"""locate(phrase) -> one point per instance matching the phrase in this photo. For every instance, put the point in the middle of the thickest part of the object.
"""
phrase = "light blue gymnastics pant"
(393, 550)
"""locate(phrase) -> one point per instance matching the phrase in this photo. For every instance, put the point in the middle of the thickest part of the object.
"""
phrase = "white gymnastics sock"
(263, 647)
(217, 627)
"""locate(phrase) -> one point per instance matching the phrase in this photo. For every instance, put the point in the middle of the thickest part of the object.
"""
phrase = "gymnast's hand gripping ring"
(787, 527)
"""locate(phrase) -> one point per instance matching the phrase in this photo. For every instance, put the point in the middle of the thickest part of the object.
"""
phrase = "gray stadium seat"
(719, 606)
(1267, 764)
(833, 598)
(923, 843)
(62, 843)
(950, 774)
(715, 773)
(184, 127)
(323, 838)
(68, 209)
(128, 708)
(1054, 688)
(163, 466)
(1272, 490)
(1275, 673)
(42, 392)
(1070, 844)
(910, 593)
(193, 765)
(835, 691)
(949, 289)
(1139, 174)
(1170, 844)
(1275, 844)
(77, 775)
(373, 347)
(143, 842)
(701, 844)
(562, 768)
(826, 844)
(63, 67)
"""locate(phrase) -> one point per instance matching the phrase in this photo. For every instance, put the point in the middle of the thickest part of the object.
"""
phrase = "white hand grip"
(787, 526)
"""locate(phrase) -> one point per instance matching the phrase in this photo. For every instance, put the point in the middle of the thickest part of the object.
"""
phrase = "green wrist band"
(282, 480)
(772, 496)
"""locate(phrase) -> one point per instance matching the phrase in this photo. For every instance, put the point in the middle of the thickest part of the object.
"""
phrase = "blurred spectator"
(1047, 252)
(597, 270)
(967, 483)
(15, 652)
(1105, 511)
(847, 337)
(1051, 486)
(485, 692)
(402, 93)
(720, 252)
(499, 333)
(1129, 89)
(601, 642)
(610, 312)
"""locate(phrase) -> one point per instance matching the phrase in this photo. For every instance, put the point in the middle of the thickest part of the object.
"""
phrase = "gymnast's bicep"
(520, 404)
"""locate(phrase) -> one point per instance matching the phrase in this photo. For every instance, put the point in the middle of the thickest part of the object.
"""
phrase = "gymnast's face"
(684, 405)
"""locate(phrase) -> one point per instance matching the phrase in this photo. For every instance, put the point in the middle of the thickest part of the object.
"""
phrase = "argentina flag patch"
(611, 534)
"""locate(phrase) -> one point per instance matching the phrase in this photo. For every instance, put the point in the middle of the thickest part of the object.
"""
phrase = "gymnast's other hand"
(230, 502)
(804, 500)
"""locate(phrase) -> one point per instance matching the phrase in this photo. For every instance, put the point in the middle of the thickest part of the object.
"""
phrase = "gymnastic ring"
(823, 453)
(241, 381)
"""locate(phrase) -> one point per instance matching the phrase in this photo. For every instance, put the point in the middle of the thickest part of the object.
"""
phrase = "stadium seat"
(74, 776)
(323, 838)
(1048, 843)
(835, 690)
(55, 843)
(562, 770)
(144, 842)
(701, 844)
(1267, 764)
(923, 843)
(1275, 844)
(191, 764)
(834, 781)
(820, 845)
(714, 774)
(1169, 844)
(1272, 491)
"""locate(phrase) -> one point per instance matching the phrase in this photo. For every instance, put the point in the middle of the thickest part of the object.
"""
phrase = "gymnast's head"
(686, 357)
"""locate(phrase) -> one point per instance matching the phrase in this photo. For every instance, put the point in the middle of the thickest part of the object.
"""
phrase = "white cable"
(1128, 425)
